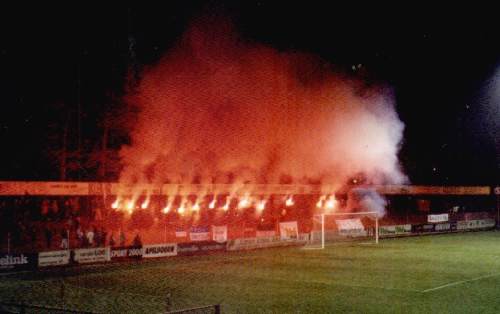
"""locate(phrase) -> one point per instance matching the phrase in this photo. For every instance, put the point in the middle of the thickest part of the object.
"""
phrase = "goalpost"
(339, 226)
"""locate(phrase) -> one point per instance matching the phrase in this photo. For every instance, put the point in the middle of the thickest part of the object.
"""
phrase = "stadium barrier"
(264, 242)
(201, 309)
(54, 258)
(203, 247)
(340, 235)
(159, 250)
(476, 224)
(434, 228)
(18, 262)
(23, 261)
(126, 253)
(441, 227)
(8, 307)
(397, 230)
(92, 255)
(445, 227)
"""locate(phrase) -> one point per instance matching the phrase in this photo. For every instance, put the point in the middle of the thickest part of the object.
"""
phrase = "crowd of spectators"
(36, 223)
(44, 223)
(39, 223)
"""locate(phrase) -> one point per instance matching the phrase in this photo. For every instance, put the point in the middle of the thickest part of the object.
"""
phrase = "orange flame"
(115, 204)
(182, 207)
(289, 201)
(331, 202)
(130, 206)
(244, 202)
(166, 209)
(212, 204)
(319, 204)
(261, 205)
(195, 207)
(226, 206)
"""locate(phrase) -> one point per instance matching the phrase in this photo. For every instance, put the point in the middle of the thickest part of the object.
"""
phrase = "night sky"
(441, 67)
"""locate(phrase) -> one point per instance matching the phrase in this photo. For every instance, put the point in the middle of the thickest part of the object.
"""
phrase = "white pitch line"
(311, 248)
(460, 282)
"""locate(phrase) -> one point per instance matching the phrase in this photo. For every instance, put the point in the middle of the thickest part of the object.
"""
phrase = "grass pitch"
(452, 273)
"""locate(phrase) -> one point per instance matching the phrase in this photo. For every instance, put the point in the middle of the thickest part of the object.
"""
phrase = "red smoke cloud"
(217, 108)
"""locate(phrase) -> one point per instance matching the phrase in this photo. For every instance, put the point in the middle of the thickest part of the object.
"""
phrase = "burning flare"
(261, 205)
(145, 204)
(181, 209)
(319, 204)
(116, 204)
(226, 205)
(130, 206)
(195, 207)
(245, 202)
(212, 204)
(331, 203)
(166, 209)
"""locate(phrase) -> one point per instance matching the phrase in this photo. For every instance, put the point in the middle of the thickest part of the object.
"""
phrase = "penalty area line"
(339, 244)
(459, 282)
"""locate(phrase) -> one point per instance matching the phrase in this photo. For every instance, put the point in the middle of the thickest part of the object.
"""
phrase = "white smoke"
(367, 200)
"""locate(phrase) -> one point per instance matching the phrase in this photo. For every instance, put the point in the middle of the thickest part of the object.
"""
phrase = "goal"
(334, 227)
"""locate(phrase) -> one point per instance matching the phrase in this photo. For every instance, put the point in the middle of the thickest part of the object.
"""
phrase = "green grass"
(391, 277)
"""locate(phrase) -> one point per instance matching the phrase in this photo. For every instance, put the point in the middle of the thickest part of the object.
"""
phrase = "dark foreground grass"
(454, 273)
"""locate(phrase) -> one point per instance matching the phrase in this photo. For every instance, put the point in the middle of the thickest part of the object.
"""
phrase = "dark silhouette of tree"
(60, 149)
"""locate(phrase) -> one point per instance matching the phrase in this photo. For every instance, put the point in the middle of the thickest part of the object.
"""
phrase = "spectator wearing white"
(64, 243)
(90, 237)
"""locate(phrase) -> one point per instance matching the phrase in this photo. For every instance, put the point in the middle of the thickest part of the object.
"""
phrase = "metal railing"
(23, 308)
(214, 308)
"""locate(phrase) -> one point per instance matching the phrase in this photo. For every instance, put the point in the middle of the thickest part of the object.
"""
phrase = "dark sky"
(51, 58)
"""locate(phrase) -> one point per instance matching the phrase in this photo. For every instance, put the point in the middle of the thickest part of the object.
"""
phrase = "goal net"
(335, 227)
